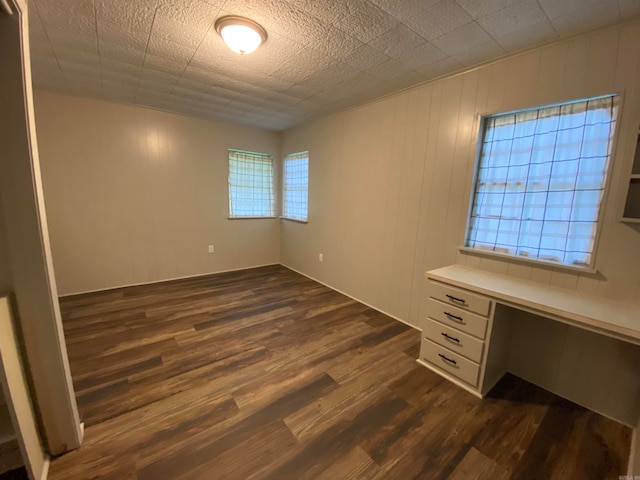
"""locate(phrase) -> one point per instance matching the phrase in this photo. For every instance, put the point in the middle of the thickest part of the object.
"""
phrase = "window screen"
(540, 180)
(295, 186)
(250, 185)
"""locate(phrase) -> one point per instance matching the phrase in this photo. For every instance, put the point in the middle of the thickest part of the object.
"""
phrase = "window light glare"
(242, 35)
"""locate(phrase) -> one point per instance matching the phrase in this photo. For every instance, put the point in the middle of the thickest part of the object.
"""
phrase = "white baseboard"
(237, 270)
(151, 282)
(352, 297)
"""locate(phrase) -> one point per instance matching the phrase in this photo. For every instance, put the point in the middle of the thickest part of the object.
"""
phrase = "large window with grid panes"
(540, 181)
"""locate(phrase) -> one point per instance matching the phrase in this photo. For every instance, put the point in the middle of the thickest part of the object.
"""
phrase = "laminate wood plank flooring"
(266, 374)
(17, 474)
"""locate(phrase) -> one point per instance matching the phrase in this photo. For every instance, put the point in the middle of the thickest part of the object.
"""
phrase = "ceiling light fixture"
(240, 34)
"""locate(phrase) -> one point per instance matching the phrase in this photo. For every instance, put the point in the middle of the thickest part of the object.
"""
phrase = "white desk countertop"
(608, 317)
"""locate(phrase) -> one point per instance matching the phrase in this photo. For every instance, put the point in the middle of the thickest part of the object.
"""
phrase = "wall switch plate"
(211, 249)
(320, 257)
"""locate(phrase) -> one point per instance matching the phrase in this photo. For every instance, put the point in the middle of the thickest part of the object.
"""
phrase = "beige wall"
(135, 195)
(389, 191)
(5, 267)
(390, 181)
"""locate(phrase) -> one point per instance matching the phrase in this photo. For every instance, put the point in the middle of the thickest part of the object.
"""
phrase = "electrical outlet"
(211, 249)
(320, 257)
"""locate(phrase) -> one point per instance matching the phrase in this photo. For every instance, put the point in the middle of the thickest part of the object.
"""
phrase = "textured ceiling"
(321, 56)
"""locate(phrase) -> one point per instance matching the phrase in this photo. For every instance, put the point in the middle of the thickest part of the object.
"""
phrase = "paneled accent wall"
(390, 181)
(136, 195)
(389, 192)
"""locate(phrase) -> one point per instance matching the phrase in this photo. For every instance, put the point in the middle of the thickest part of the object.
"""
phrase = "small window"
(295, 186)
(250, 185)
(540, 181)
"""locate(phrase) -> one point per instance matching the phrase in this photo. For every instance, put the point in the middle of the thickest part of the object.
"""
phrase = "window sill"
(528, 261)
(294, 220)
(250, 218)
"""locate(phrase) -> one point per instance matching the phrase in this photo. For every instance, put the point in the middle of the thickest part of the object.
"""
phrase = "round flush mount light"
(240, 34)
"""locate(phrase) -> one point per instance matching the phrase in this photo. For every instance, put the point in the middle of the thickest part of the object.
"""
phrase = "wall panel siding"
(389, 191)
(136, 195)
(390, 181)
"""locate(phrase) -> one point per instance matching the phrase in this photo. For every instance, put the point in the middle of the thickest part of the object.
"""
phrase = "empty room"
(356, 239)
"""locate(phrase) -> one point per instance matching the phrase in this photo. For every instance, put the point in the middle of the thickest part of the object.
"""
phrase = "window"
(295, 186)
(250, 185)
(540, 180)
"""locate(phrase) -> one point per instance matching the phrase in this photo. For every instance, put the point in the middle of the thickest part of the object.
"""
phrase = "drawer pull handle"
(454, 317)
(447, 359)
(456, 299)
(449, 337)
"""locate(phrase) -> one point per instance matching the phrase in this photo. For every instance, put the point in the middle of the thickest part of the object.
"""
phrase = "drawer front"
(459, 298)
(454, 340)
(450, 362)
(457, 318)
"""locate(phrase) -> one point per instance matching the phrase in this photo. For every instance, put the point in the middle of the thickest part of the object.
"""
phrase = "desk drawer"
(459, 298)
(457, 318)
(450, 362)
(454, 340)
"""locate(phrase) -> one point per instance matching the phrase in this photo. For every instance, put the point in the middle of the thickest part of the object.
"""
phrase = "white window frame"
(480, 134)
(286, 214)
(269, 207)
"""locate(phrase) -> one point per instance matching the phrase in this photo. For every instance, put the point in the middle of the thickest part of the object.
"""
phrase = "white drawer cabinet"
(456, 341)
(456, 332)
(457, 318)
(450, 362)
(463, 299)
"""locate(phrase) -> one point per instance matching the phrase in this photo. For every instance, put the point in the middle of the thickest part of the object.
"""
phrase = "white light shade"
(240, 34)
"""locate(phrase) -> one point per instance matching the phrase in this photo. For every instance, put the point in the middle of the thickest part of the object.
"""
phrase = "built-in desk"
(467, 329)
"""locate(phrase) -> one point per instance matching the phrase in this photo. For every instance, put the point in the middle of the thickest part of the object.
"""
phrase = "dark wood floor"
(266, 374)
(17, 474)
